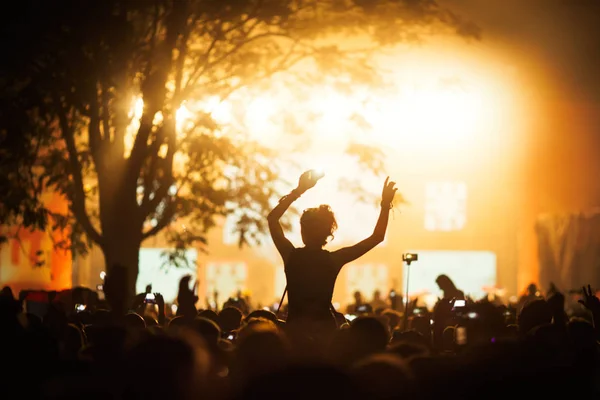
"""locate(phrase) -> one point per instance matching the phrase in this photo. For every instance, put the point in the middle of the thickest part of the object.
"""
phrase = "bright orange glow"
(443, 105)
(436, 98)
(430, 100)
(18, 257)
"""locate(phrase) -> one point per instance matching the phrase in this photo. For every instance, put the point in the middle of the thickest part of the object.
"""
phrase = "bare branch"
(193, 80)
(201, 68)
(77, 196)
(285, 63)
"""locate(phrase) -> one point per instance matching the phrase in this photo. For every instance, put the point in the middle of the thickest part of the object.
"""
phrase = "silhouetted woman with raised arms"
(311, 270)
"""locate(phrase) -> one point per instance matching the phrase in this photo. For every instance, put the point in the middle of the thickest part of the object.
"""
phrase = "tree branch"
(150, 173)
(154, 88)
(120, 122)
(154, 29)
(182, 54)
(78, 194)
(282, 65)
(167, 180)
(193, 80)
(218, 36)
(105, 112)
(95, 138)
(164, 221)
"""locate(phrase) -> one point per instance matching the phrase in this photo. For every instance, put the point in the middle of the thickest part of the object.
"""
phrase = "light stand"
(408, 259)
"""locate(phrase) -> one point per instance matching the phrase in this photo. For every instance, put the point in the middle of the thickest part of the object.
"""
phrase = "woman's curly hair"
(318, 224)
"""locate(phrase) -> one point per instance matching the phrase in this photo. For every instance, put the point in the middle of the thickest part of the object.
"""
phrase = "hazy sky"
(561, 36)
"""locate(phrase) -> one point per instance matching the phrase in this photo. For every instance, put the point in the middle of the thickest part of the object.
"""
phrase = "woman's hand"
(388, 192)
(308, 180)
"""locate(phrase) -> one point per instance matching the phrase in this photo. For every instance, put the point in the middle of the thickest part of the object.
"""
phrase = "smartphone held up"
(150, 298)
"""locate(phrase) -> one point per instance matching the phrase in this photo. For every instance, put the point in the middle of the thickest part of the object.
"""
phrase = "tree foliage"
(71, 82)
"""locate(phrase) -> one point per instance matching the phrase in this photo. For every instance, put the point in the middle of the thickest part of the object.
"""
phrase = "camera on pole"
(408, 258)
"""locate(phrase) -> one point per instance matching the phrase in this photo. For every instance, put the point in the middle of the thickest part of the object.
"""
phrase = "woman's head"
(445, 283)
(317, 225)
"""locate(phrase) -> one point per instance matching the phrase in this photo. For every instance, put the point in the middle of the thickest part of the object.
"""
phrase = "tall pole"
(405, 322)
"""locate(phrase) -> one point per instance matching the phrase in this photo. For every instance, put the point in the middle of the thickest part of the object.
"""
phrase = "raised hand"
(556, 301)
(308, 180)
(388, 192)
(187, 298)
(590, 301)
(160, 301)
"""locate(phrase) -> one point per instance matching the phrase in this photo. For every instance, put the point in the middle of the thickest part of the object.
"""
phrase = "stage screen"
(164, 278)
(469, 270)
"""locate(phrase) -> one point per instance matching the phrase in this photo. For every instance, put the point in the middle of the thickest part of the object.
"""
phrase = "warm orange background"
(18, 257)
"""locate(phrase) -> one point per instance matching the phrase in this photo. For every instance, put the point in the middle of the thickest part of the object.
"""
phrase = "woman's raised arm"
(284, 246)
(351, 253)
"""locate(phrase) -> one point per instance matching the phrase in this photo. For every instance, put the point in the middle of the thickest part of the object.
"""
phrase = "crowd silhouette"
(542, 346)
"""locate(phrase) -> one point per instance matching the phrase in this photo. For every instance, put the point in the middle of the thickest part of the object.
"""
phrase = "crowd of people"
(140, 349)
(456, 350)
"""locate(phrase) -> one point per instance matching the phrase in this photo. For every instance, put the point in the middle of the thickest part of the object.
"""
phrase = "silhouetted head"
(393, 317)
(376, 295)
(534, 314)
(260, 349)
(409, 336)
(358, 297)
(317, 225)
(383, 376)
(532, 289)
(182, 363)
(7, 292)
(581, 334)
(268, 315)
(230, 319)
(134, 321)
(209, 314)
(445, 283)
(368, 335)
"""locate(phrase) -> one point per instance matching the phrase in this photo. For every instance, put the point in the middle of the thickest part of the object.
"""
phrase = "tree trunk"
(121, 233)
(122, 251)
